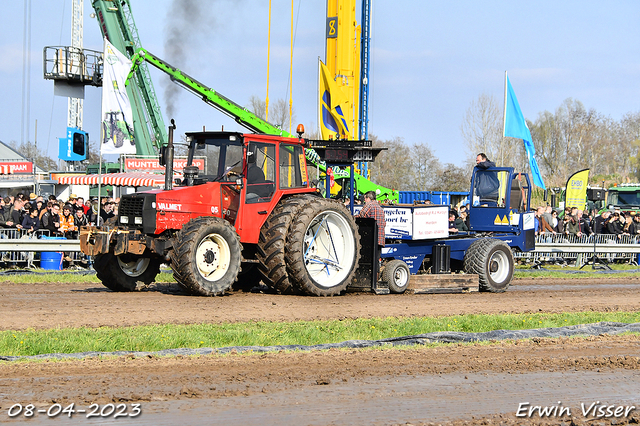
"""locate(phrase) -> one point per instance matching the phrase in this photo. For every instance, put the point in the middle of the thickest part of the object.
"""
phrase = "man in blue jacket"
(487, 184)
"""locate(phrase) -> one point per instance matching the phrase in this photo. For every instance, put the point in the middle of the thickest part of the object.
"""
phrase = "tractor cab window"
(261, 171)
(293, 170)
(220, 156)
(490, 187)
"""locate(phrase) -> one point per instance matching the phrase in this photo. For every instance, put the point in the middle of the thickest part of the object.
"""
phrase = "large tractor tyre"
(124, 272)
(206, 257)
(323, 248)
(396, 274)
(271, 246)
(492, 260)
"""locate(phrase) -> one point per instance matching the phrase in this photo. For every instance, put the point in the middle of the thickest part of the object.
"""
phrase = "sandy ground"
(92, 305)
(460, 384)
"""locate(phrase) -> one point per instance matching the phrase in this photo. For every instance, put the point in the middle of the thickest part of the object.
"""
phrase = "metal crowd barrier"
(570, 248)
(18, 247)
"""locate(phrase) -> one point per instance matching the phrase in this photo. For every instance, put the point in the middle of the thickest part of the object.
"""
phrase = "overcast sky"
(429, 61)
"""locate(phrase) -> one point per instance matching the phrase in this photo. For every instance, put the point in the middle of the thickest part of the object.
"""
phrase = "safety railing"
(571, 248)
(18, 247)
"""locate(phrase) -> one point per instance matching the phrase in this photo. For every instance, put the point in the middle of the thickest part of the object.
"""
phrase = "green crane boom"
(246, 118)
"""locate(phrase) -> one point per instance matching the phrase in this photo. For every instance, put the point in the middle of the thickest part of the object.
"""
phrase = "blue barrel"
(51, 260)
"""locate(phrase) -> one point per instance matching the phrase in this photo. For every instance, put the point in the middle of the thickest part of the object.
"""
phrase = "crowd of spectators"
(26, 214)
(572, 221)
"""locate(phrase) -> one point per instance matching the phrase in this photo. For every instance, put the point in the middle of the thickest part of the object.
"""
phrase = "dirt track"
(92, 305)
(335, 387)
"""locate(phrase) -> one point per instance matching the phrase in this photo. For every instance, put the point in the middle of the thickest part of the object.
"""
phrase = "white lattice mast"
(74, 117)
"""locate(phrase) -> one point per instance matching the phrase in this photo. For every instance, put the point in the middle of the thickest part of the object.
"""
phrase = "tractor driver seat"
(257, 186)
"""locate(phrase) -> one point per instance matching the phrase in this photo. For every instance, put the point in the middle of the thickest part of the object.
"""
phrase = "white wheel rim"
(498, 267)
(400, 277)
(135, 268)
(213, 257)
(329, 249)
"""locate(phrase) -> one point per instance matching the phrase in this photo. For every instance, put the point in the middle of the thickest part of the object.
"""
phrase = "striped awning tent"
(5, 169)
(116, 179)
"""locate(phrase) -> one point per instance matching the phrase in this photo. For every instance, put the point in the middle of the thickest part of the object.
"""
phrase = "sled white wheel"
(322, 249)
(396, 274)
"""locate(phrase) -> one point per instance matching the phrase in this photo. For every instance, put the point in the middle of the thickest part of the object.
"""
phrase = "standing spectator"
(600, 222)
(51, 220)
(572, 225)
(80, 205)
(5, 213)
(372, 209)
(94, 216)
(613, 225)
(634, 227)
(543, 226)
(72, 201)
(80, 220)
(67, 223)
(17, 214)
(39, 207)
(585, 224)
(31, 223)
(461, 224)
(107, 212)
(548, 215)
(452, 223)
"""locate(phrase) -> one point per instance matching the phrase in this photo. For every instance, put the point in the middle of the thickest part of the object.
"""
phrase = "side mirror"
(251, 157)
(162, 158)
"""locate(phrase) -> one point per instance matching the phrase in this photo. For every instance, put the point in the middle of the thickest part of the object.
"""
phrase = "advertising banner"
(576, 192)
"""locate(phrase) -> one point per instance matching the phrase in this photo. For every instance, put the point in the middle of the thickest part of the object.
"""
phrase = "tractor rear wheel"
(492, 260)
(396, 274)
(323, 248)
(125, 271)
(273, 235)
(207, 255)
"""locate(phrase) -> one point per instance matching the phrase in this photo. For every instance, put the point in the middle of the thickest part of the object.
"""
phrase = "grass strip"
(259, 333)
(58, 277)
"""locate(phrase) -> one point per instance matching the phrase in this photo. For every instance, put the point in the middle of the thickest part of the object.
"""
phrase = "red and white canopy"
(116, 179)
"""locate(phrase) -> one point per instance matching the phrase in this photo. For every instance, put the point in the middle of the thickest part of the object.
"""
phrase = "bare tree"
(278, 112)
(482, 129)
(452, 178)
(31, 152)
(257, 106)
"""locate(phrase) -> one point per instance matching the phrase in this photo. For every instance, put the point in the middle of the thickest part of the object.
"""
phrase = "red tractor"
(250, 215)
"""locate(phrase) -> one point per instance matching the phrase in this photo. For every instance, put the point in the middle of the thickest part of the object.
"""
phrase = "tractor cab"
(254, 173)
(499, 201)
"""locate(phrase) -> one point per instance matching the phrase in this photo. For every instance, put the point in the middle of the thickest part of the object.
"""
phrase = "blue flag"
(516, 127)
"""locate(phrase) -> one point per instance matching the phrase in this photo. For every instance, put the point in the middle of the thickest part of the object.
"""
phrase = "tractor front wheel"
(207, 255)
(125, 271)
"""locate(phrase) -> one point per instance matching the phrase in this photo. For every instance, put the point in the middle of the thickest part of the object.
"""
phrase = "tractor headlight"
(137, 220)
(124, 219)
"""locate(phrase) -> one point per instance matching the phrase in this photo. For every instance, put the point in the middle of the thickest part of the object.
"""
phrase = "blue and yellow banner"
(333, 122)
(576, 192)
